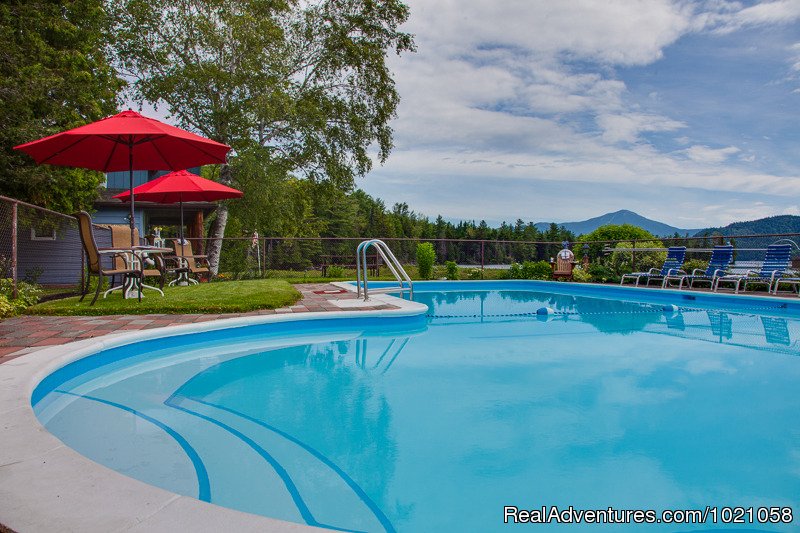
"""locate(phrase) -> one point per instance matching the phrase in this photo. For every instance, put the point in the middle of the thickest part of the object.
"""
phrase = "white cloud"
(764, 13)
(613, 31)
(627, 127)
(704, 154)
(528, 91)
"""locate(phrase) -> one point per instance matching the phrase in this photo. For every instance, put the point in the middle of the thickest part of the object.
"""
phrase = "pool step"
(319, 493)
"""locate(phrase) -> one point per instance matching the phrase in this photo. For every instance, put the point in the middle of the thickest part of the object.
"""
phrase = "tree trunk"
(217, 230)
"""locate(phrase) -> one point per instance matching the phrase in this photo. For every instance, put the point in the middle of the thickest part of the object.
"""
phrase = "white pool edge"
(47, 486)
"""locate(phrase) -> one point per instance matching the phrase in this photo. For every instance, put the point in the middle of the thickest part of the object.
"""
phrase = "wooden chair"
(563, 264)
(121, 238)
(94, 256)
(197, 265)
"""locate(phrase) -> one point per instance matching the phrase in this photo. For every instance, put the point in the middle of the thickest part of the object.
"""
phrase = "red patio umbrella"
(126, 141)
(181, 186)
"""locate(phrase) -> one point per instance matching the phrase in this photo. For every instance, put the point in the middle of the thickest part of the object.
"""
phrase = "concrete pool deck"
(47, 486)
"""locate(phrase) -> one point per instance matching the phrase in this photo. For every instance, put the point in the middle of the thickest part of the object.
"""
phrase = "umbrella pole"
(181, 202)
(183, 261)
(130, 183)
(133, 223)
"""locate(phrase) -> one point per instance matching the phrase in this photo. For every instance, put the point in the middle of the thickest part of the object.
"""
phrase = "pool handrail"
(391, 261)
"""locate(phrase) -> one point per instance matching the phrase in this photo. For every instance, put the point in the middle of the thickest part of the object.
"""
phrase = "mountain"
(619, 217)
(776, 224)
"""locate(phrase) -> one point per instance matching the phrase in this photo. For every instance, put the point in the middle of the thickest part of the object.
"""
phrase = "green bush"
(451, 269)
(474, 273)
(602, 273)
(335, 272)
(27, 295)
(691, 264)
(6, 309)
(531, 270)
(537, 270)
(426, 256)
(580, 275)
(621, 262)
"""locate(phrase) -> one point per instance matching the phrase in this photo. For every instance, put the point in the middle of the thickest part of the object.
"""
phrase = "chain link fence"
(43, 246)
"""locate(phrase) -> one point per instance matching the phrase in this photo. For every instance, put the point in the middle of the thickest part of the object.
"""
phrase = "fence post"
(264, 257)
(633, 257)
(14, 293)
(482, 243)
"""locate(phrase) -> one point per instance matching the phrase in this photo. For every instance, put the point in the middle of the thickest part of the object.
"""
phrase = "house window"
(43, 234)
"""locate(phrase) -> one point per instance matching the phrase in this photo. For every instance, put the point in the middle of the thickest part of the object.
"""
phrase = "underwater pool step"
(322, 494)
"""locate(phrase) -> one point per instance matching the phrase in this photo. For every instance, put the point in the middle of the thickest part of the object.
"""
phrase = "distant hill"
(620, 217)
(776, 224)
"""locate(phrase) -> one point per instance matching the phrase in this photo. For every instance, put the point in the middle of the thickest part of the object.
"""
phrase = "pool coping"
(47, 486)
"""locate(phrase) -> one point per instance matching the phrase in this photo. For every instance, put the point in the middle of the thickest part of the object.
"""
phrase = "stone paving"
(23, 334)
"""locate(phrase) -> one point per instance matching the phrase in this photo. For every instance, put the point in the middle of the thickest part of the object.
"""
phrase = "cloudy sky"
(683, 111)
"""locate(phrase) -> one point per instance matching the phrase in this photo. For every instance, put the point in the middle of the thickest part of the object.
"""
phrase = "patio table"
(135, 257)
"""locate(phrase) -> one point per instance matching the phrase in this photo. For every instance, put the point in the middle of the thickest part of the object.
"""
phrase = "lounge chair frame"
(672, 264)
(776, 262)
(718, 266)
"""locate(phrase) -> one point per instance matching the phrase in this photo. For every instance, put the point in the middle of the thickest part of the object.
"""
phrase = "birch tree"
(305, 85)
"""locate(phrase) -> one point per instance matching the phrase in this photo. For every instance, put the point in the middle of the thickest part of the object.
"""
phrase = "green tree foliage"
(298, 88)
(426, 256)
(53, 76)
(622, 260)
(451, 270)
(531, 270)
(613, 232)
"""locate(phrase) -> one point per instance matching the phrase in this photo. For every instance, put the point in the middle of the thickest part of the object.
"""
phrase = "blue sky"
(685, 112)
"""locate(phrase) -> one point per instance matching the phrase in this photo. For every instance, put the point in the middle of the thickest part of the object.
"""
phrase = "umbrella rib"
(158, 151)
(149, 139)
(114, 149)
(56, 154)
(198, 148)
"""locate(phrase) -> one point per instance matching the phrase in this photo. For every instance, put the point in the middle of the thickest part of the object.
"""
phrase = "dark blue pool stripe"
(382, 518)
(305, 512)
(204, 492)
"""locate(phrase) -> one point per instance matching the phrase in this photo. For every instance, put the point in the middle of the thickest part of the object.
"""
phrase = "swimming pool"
(628, 398)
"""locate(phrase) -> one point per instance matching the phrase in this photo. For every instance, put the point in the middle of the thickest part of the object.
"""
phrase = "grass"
(227, 297)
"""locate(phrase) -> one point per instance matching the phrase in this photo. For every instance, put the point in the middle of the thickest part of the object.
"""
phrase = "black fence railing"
(43, 246)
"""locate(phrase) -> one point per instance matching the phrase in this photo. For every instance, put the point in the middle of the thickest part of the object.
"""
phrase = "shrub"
(451, 269)
(622, 261)
(691, 264)
(335, 271)
(6, 309)
(602, 273)
(580, 275)
(475, 273)
(537, 270)
(426, 256)
(531, 270)
(27, 294)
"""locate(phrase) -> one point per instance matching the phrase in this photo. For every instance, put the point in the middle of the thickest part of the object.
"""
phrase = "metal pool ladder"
(391, 261)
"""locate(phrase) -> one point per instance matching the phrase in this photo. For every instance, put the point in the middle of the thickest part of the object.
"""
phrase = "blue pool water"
(438, 422)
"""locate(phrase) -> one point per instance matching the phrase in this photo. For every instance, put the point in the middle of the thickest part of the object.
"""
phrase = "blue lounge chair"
(673, 263)
(718, 265)
(776, 262)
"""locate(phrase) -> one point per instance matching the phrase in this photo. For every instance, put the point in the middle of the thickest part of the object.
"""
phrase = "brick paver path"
(23, 334)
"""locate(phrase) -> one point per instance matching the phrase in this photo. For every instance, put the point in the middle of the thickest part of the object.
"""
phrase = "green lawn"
(223, 297)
